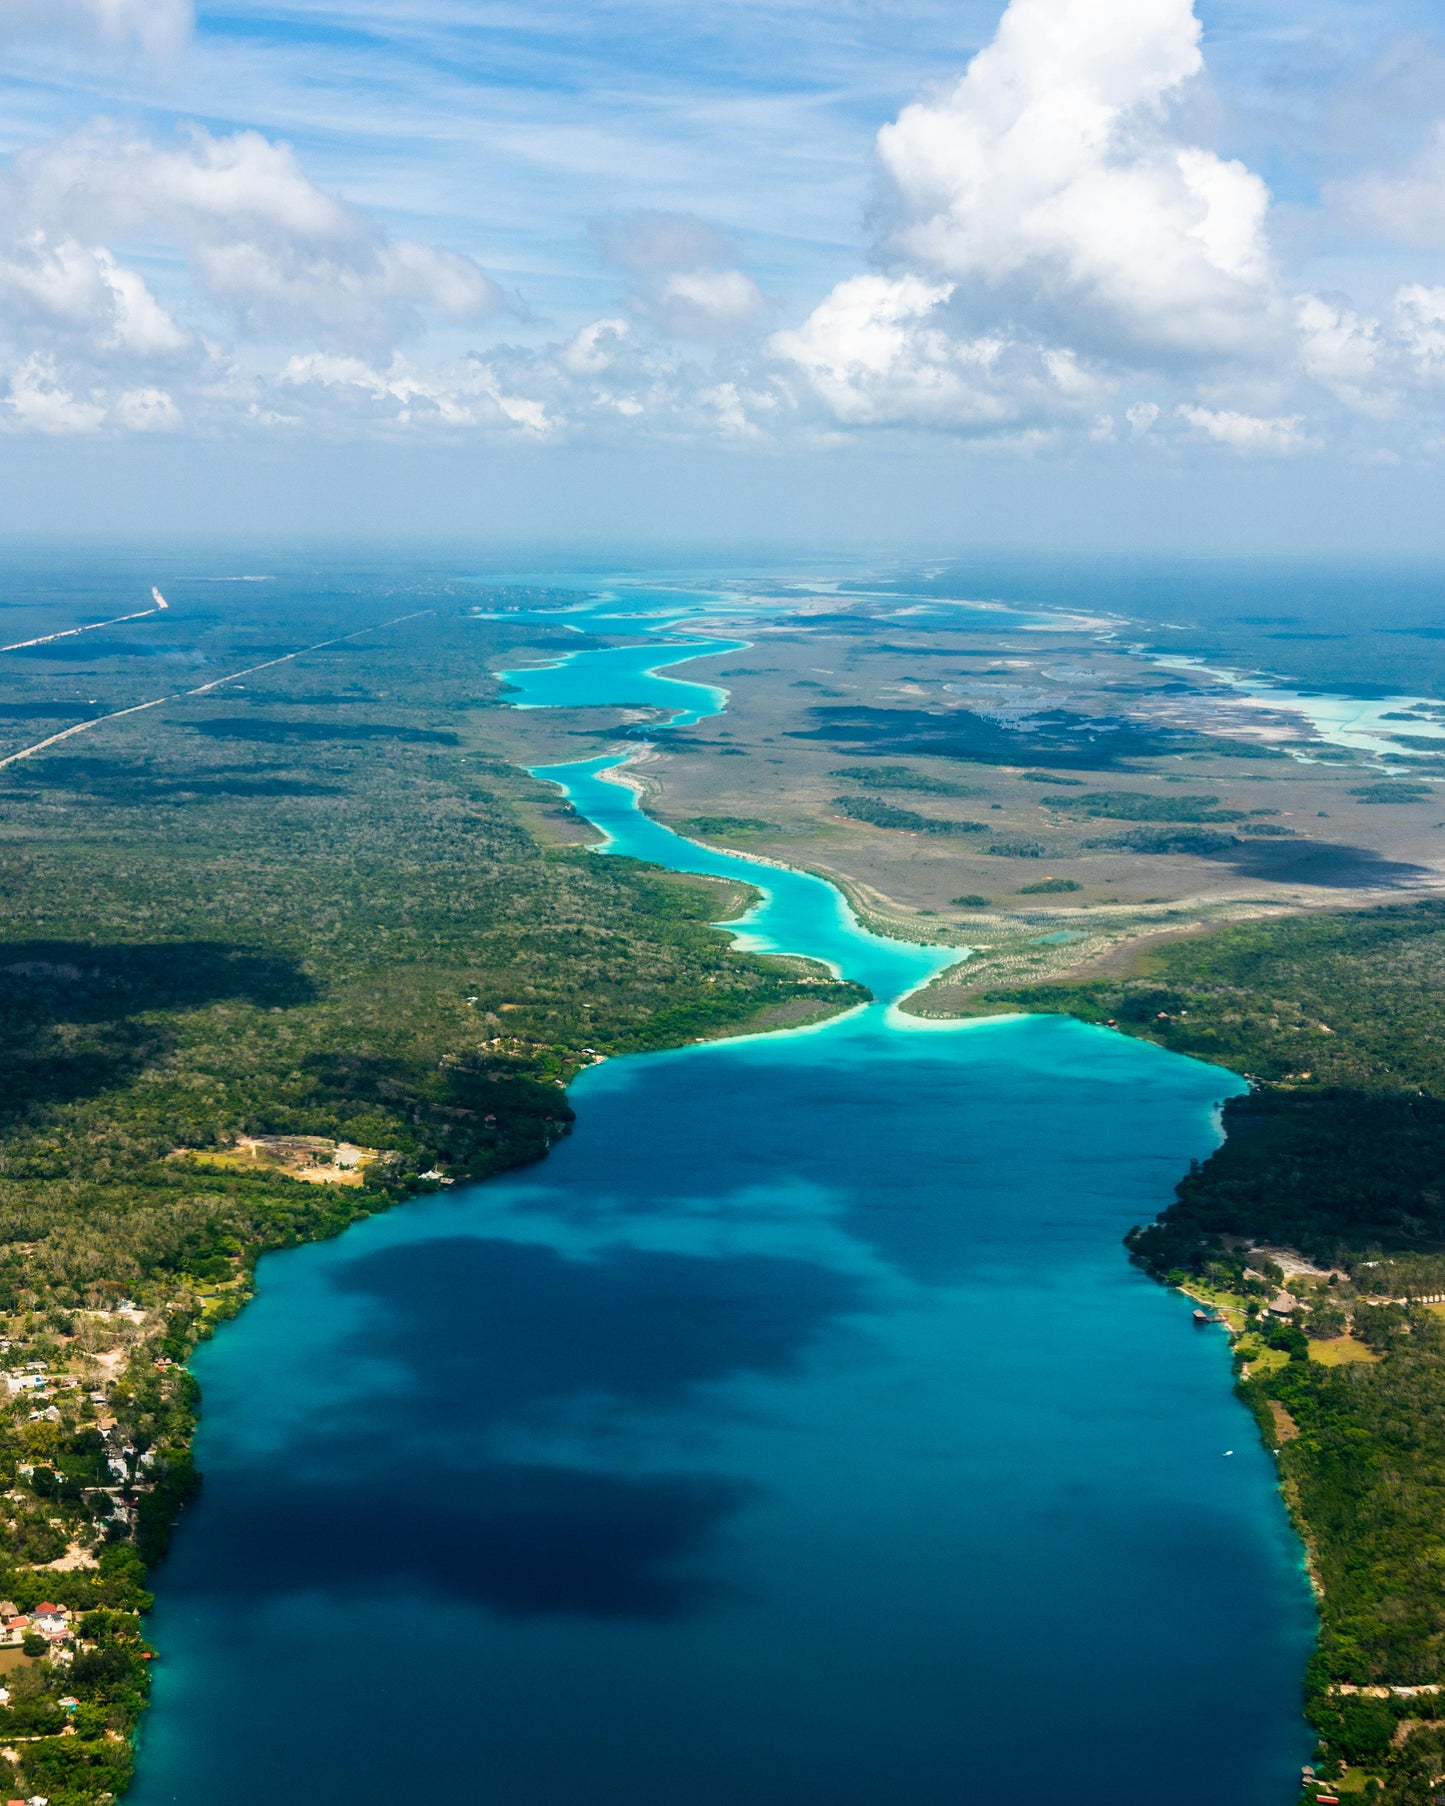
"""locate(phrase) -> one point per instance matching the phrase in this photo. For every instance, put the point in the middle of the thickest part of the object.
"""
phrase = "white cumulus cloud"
(1048, 184)
(58, 286)
(1278, 435)
(469, 396)
(877, 353)
(883, 351)
(40, 402)
(278, 254)
(147, 411)
(1047, 233)
(1338, 347)
(1420, 325)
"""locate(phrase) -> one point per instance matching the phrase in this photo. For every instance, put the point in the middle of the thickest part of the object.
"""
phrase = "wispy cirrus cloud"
(1404, 204)
(155, 28)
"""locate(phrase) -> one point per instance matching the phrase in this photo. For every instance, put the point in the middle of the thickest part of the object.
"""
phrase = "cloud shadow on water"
(414, 1481)
(524, 1328)
(523, 1540)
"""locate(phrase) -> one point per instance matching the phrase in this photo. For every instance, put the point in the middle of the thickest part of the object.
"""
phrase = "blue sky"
(425, 258)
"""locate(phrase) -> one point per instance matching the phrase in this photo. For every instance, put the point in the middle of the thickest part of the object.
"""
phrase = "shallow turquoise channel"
(797, 1434)
(627, 676)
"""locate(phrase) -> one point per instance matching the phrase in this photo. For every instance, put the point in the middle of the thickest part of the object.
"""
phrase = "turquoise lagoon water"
(617, 675)
(797, 1434)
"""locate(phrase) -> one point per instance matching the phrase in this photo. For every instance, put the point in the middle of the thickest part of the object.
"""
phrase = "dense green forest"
(318, 913)
(878, 814)
(1337, 1151)
(904, 777)
(1140, 805)
(721, 826)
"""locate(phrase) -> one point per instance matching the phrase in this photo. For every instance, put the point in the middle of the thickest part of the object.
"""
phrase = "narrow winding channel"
(797, 1434)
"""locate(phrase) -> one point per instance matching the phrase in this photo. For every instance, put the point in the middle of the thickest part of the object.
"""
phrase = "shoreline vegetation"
(276, 961)
(270, 965)
(1316, 1235)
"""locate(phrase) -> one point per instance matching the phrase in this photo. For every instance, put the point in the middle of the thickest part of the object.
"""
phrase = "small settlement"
(94, 1432)
(1285, 1314)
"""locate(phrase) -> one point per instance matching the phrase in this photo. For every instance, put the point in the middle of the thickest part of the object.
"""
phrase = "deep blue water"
(797, 1434)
